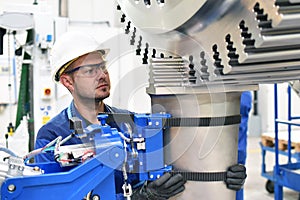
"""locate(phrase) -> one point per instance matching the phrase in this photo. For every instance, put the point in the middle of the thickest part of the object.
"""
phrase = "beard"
(105, 93)
(99, 99)
(88, 96)
(96, 97)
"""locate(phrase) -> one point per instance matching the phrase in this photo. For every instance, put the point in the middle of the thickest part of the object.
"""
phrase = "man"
(82, 70)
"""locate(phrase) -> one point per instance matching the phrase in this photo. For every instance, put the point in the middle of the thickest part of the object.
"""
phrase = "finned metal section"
(231, 42)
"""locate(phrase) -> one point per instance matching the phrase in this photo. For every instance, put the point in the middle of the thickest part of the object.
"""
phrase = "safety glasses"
(90, 70)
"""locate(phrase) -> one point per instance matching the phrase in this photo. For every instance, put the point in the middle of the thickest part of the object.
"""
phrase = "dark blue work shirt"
(59, 126)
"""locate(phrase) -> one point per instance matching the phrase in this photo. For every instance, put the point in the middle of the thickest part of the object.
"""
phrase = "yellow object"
(11, 131)
(45, 119)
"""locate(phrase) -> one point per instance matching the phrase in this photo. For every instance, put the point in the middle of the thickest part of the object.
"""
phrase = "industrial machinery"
(89, 167)
(202, 54)
(27, 34)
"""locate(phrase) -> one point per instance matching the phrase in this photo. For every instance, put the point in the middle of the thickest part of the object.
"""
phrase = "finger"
(179, 190)
(169, 193)
(237, 168)
(174, 187)
(161, 180)
(235, 181)
(238, 175)
(178, 178)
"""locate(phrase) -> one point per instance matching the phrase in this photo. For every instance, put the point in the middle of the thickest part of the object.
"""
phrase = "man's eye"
(89, 70)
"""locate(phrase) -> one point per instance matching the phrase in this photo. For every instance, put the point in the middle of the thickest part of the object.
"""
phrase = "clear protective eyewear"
(90, 70)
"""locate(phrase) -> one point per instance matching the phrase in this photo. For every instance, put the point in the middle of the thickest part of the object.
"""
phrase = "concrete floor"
(255, 184)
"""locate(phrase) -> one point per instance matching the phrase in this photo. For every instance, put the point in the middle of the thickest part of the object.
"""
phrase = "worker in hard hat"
(82, 70)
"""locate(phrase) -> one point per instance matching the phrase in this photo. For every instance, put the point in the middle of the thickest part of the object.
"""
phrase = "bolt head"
(11, 187)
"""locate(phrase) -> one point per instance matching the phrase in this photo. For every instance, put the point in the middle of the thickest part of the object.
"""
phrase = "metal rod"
(276, 173)
(289, 125)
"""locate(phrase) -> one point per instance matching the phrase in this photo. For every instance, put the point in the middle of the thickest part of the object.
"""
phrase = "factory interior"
(199, 92)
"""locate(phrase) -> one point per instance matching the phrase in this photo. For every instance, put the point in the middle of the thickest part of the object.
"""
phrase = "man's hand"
(161, 189)
(236, 176)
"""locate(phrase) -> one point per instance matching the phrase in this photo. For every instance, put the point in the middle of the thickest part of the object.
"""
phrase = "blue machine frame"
(96, 174)
(60, 184)
(283, 175)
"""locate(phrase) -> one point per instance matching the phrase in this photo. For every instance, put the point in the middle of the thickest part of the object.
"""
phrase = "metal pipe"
(63, 8)
(200, 149)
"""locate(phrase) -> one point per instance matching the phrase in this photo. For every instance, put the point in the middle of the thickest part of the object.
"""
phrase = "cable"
(6, 150)
(57, 145)
(124, 137)
(87, 154)
(67, 138)
(9, 77)
(41, 150)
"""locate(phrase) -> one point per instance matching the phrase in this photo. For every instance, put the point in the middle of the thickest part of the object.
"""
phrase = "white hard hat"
(69, 47)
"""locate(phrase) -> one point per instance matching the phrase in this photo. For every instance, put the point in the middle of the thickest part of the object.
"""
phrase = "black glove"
(161, 189)
(235, 177)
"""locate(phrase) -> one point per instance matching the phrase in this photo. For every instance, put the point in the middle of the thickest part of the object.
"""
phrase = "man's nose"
(101, 73)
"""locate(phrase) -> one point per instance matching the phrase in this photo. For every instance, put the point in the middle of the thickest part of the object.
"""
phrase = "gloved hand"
(236, 176)
(161, 189)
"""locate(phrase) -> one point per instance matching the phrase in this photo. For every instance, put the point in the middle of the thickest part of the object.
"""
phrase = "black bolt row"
(148, 2)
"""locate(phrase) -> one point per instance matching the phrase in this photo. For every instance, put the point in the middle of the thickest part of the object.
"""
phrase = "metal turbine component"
(217, 49)
(200, 149)
(296, 86)
(242, 41)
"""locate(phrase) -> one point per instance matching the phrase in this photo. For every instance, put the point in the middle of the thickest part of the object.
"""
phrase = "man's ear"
(67, 81)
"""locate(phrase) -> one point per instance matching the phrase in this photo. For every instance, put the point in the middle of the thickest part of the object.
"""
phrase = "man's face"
(90, 78)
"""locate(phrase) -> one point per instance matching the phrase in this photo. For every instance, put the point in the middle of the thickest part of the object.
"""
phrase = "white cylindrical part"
(201, 149)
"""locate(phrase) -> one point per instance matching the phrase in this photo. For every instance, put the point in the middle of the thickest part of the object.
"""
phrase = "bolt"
(96, 197)
(36, 168)
(21, 168)
(147, 2)
(11, 187)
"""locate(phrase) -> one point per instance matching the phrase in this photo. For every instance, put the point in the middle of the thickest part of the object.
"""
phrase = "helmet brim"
(104, 53)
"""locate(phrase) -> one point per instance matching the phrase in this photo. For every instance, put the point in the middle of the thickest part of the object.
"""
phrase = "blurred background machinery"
(26, 43)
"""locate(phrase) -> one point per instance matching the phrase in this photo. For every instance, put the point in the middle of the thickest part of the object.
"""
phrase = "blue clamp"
(102, 118)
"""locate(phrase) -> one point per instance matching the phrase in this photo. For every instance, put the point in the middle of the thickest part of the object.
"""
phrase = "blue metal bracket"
(67, 185)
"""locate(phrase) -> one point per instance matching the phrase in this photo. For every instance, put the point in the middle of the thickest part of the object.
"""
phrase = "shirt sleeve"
(58, 126)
